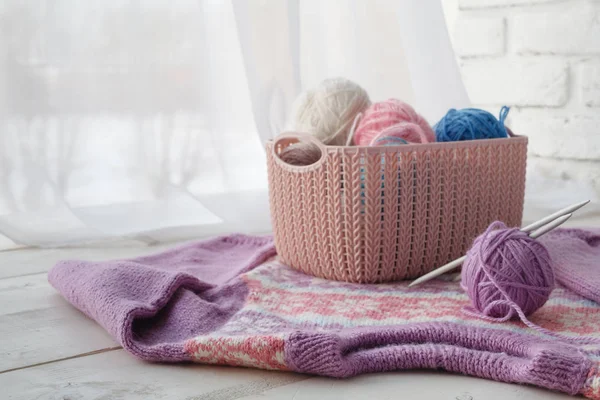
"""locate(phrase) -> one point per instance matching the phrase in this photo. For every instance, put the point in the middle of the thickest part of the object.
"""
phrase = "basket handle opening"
(288, 139)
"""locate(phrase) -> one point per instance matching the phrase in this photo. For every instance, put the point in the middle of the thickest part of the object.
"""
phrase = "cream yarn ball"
(328, 111)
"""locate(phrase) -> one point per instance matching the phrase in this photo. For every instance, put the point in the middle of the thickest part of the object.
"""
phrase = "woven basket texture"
(379, 214)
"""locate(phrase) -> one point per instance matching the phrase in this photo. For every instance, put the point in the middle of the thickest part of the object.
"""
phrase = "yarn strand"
(353, 129)
(502, 117)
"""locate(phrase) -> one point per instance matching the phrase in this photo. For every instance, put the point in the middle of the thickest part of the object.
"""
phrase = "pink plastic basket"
(377, 214)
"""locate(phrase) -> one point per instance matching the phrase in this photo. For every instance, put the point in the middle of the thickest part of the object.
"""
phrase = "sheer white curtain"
(146, 119)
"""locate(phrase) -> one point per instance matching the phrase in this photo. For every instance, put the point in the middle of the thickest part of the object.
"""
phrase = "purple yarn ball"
(506, 269)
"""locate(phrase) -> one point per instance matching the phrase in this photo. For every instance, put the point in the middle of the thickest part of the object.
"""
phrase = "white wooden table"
(49, 350)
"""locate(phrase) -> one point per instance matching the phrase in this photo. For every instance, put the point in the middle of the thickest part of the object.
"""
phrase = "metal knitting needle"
(552, 217)
(552, 225)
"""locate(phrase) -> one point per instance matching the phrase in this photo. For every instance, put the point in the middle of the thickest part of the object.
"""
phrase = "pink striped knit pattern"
(282, 302)
(258, 351)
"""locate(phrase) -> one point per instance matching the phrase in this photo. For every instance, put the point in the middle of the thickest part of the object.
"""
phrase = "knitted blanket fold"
(229, 301)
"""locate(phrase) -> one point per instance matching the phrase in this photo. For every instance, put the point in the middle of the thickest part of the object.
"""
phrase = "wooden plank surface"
(42, 335)
(116, 375)
(28, 293)
(405, 385)
(36, 324)
(22, 262)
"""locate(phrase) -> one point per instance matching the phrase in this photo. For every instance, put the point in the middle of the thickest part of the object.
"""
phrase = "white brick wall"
(559, 134)
(542, 58)
(516, 81)
(569, 27)
(489, 40)
(590, 84)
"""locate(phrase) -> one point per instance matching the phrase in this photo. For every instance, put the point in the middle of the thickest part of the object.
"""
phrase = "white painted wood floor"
(49, 350)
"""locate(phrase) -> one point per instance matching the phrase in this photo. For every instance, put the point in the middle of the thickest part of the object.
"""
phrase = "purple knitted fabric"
(576, 253)
(227, 301)
(152, 304)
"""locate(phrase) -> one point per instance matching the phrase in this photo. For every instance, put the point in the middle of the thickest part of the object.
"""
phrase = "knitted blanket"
(229, 301)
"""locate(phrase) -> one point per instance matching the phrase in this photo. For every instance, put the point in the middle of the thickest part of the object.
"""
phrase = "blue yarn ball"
(470, 124)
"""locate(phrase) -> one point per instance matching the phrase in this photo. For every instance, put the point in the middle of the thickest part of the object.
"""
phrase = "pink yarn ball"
(392, 118)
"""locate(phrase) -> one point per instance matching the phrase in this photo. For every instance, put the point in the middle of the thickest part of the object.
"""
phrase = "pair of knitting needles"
(535, 230)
